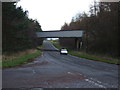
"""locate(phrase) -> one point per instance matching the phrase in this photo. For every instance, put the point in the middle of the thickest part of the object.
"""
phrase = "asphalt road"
(52, 70)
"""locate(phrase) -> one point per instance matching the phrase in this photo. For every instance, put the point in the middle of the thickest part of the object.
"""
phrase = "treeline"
(18, 31)
(101, 28)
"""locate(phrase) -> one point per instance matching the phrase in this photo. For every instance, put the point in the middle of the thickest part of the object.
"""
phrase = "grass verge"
(95, 57)
(89, 56)
(20, 58)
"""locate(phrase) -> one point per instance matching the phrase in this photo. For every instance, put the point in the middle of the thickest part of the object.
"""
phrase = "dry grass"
(7, 57)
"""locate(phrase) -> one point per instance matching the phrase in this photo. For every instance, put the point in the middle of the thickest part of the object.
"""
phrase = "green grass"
(21, 59)
(89, 56)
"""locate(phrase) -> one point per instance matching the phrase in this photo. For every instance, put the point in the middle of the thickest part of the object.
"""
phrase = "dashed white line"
(97, 84)
(33, 71)
(70, 73)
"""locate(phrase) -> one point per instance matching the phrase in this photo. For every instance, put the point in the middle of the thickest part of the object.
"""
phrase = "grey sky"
(52, 14)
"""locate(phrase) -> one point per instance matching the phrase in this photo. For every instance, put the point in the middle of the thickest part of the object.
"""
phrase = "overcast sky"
(52, 14)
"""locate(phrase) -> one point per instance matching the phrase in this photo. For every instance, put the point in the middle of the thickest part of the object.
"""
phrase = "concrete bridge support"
(78, 43)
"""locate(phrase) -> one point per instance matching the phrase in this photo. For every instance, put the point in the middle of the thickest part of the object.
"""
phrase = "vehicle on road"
(63, 51)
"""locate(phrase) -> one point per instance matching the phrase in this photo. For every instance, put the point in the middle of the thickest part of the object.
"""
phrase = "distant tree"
(65, 26)
(101, 27)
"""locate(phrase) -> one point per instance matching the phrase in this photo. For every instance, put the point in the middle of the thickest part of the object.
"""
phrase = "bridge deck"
(57, 34)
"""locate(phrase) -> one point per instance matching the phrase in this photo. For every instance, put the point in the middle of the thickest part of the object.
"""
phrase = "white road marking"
(80, 74)
(66, 87)
(97, 84)
(70, 73)
(33, 71)
(74, 74)
(105, 84)
(42, 54)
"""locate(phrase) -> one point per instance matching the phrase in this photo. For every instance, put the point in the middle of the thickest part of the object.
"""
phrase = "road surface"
(52, 70)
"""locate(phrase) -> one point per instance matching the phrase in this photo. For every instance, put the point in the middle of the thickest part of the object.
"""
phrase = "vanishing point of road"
(52, 70)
